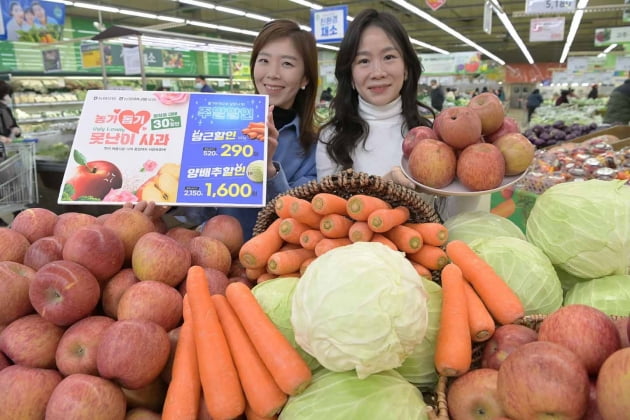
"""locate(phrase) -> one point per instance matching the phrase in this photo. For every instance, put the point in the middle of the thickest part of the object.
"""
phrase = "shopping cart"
(18, 176)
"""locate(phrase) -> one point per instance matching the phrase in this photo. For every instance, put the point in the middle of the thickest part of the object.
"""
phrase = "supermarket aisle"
(520, 115)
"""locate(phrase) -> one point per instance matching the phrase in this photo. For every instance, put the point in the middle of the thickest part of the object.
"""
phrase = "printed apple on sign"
(435, 4)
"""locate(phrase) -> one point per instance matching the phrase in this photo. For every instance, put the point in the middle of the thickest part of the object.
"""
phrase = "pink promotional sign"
(435, 4)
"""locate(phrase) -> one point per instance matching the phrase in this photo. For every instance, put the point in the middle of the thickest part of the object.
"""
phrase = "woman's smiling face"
(279, 72)
(378, 70)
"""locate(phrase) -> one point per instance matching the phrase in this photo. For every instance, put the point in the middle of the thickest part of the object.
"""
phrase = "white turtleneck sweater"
(383, 146)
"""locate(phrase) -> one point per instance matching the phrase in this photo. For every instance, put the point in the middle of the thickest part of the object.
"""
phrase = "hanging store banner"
(131, 60)
(329, 24)
(194, 149)
(626, 13)
(536, 7)
(31, 20)
(607, 36)
(90, 55)
(459, 62)
(435, 4)
(546, 29)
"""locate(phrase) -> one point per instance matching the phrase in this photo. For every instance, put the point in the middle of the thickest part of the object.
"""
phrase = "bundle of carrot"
(231, 351)
(306, 229)
(474, 299)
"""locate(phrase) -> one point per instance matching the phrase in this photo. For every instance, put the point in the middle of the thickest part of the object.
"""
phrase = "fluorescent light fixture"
(607, 50)
(428, 46)
(198, 3)
(308, 4)
(511, 30)
(575, 24)
(137, 13)
(328, 47)
(258, 17)
(96, 7)
(202, 24)
(305, 28)
(170, 19)
(67, 3)
(447, 29)
(236, 30)
(230, 10)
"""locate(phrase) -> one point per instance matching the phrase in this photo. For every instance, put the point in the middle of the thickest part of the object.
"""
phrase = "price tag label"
(549, 6)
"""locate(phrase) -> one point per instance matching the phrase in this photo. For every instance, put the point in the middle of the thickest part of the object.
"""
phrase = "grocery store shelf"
(40, 104)
(47, 119)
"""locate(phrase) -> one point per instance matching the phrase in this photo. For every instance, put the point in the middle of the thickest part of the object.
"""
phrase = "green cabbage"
(275, 297)
(419, 367)
(525, 269)
(343, 396)
(361, 306)
(584, 227)
(609, 294)
(568, 280)
(471, 225)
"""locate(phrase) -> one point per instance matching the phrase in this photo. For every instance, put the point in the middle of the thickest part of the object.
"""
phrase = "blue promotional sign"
(31, 20)
(329, 24)
(196, 149)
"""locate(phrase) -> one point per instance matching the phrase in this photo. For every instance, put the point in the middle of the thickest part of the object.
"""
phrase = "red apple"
(160, 225)
(518, 152)
(586, 331)
(76, 351)
(68, 223)
(150, 396)
(102, 218)
(34, 223)
(133, 352)
(432, 163)
(43, 251)
(129, 225)
(64, 292)
(226, 229)
(509, 126)
(489, 108)
(217, 282)
(31, 341)
(542, 379)
(81, 396)
(173, 337)
(481, 167)
(414, 136)
(613, 386)
(237, 269)
(473, 396)
(96, 248)
(505, 340)
(182, 235)
(623, 328)
(15, 279)
(95, 179)
(210, 253)
(4, 362)
(25, 391)
(153, 301)
(592, 411)
(160, 258)
(458, 126)
(13, 245)
(115, 288)
(142, 414)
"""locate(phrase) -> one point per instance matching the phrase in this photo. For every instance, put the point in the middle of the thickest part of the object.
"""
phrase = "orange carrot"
(257, 130)
(326, 203)
(502, 303)
(422, 270)
(310, 238)
(184, 390)
(433, 233)
(251, 415)
(305, 264)
(261, 391)
(265, 276)
(335, 225)
(288, 246)
(219, 380)
(255, 252)
(360, 206)
(406, 239)
(288, 261)
(432, 257)
(327, 244)
(360, 232)
(256, 125)
(285, 364)
(302, 211)
(254, 273)
(453, 351)
(294, 274)
(379, 237)
(290, 230)
(480, 321)
(283, 204)
(382, 220)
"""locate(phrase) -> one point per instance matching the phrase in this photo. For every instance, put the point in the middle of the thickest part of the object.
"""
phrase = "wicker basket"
(530, 321)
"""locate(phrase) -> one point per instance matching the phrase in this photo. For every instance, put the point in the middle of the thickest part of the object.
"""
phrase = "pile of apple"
(90, 309)
(577, 366)
(477, 144)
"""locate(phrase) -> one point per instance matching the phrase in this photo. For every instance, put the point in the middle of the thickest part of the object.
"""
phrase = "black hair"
(5, 89)
(201, 77)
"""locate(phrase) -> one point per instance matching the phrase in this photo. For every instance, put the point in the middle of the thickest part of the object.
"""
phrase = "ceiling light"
(67, 3)
(511, 30)
(258, 17)
(170, 19)
(428, 46)
(201, 24)
(307, 4)
(96, 7)
(236, 30)
(328, 47)
(230, 10)
(607, 50)
(575, 24)
(447, 29)
(136, 13)
(198, 3)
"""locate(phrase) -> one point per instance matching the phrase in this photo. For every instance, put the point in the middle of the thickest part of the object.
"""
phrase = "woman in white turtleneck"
(377, 72)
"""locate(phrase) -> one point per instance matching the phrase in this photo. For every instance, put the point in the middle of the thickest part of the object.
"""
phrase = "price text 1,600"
(228, 190)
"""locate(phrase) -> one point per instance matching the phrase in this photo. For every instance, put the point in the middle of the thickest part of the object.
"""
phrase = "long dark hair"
(304, 43)
(349, 129)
